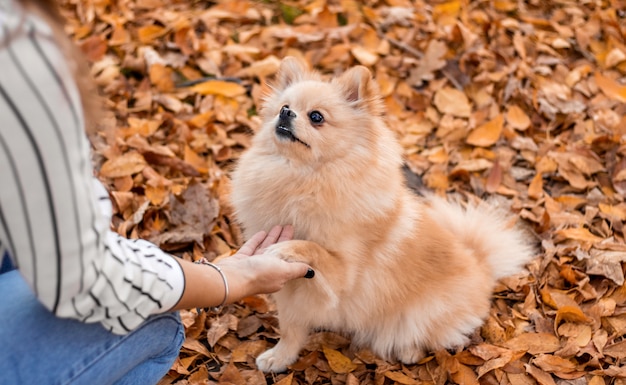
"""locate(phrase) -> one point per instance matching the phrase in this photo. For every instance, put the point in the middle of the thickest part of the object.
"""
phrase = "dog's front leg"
(303, 304)
(292, 338)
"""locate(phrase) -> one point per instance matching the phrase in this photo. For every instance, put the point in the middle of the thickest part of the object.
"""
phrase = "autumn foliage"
(525, 100)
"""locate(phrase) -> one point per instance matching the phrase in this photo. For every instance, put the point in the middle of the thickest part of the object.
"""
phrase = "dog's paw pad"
(270, 361)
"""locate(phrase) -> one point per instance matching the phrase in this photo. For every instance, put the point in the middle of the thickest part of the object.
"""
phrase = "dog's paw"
(272, 361)
(285, 251)
(409, 356)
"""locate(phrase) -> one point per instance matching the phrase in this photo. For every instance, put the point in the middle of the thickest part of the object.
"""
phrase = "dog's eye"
(316, 117)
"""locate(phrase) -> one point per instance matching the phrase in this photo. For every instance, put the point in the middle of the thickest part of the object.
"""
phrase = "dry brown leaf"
(286, 380)
(452, 101)
(431, 62)
(401, 378)
(542, 377)
(550, 363)
(488, 133)
(534, 343)
(125, 165)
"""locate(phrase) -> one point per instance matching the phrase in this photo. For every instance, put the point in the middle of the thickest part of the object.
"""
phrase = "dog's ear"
(360, 88)
(291, 70)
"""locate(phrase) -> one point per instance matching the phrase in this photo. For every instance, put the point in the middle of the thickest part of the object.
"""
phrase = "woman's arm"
(51, 220)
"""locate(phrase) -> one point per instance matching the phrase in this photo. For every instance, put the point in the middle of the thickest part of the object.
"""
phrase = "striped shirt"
(54, 216)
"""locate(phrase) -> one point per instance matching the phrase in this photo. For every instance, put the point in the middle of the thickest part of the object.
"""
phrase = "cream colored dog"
(398, 273)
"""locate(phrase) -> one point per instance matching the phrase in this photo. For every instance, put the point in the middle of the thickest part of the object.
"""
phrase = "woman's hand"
(248, 272)
(255, 272)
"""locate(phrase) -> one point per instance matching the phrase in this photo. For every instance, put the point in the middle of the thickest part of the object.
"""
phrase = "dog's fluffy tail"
(488, 228)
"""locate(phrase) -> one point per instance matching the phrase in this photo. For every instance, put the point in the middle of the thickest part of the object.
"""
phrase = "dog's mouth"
(284, 131)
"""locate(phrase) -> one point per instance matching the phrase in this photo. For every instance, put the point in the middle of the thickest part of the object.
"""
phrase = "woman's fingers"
(286, 234)
(262, 240)
(275, 235)
(252, 245)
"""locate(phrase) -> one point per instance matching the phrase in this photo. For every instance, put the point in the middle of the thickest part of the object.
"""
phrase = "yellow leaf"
(611, 88)
(125, 165)
(149, 33)
(452, 101)
(487, 134)
(578, 234)
(517, 118)
(219, 87)
(338, 362)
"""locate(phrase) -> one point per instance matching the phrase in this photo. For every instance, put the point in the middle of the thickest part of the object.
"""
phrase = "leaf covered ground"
(521, 99)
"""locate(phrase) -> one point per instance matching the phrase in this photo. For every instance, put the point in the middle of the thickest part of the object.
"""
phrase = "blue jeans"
(38, 348)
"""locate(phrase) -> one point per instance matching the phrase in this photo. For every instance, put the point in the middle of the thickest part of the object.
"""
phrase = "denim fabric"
(6, 264)
(38, 348)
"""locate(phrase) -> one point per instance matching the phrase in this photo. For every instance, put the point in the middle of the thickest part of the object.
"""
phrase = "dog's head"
(317, 121)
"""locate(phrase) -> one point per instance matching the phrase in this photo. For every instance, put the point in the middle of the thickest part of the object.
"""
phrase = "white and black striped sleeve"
(51, 221)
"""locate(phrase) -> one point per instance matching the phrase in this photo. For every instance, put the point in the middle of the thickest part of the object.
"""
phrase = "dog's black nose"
(285, 112)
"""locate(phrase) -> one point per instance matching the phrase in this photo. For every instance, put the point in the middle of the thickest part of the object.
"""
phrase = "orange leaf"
(156, 194)
(219, 87)
(197, 161)
(534, 343)
(286, 381)
(452, 101)
(401, 378)
(94, 48)
(570, 313)
(488, 133)
(494, 179)
(125, 165)
(161, 77)
(464, 375)
(611, 88)
(535, 189)
(542, 377)
(149, 33)
(338, 362)
(517, 118)
(578, 234)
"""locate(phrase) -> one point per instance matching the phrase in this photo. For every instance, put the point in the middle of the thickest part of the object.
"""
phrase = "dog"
(399, 273)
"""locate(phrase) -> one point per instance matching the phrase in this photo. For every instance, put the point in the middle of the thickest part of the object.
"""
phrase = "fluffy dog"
(400, 274)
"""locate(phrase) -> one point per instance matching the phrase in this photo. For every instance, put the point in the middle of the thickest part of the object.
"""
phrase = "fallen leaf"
(517, 118)
(487, 134)
(125, 165)
(452, 101)
(338, 362)
(611, 88)
(219, 87)
(534, 343)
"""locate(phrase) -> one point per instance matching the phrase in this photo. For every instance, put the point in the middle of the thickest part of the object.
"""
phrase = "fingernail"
(309, 273)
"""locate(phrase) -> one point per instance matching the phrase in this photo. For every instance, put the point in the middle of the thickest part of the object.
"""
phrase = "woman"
(82, 304)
